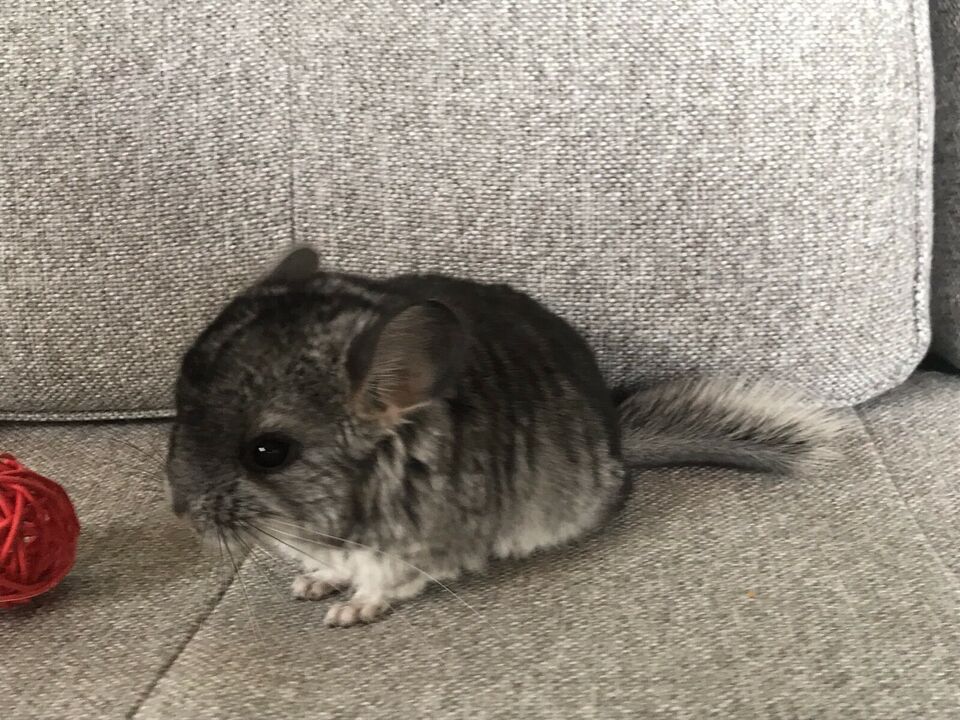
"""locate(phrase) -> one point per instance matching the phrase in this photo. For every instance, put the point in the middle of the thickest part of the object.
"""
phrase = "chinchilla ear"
(407, 360)
(296, 265)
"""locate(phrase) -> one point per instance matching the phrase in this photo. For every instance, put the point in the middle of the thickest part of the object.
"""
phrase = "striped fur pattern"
(490, 434)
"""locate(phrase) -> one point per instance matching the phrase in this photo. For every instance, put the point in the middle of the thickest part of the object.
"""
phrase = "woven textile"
(714, 594)
(698, 186)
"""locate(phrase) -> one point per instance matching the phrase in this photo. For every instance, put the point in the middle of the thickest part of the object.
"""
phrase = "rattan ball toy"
(38, 533)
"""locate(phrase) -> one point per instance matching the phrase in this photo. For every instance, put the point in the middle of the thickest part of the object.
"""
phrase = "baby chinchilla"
(388, 433)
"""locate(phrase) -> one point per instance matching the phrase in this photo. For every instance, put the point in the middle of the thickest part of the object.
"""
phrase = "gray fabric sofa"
(700, 187)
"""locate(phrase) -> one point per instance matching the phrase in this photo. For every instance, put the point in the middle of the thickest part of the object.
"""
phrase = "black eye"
(271, 452)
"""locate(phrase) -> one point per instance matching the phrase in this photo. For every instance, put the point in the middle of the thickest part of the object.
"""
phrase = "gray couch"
(700, 187)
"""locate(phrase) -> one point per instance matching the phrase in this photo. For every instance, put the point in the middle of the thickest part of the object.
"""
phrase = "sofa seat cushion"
(716, 593)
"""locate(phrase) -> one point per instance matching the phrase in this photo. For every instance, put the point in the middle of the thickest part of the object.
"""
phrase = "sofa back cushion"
(699, 187)
(945, 291)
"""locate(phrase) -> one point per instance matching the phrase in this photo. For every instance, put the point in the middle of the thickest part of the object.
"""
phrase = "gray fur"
(727, 421)
(441, 423)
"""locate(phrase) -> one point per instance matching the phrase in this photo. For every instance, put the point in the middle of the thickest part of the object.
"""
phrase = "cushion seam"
(927, 545)
(923, 157)
(166, 667)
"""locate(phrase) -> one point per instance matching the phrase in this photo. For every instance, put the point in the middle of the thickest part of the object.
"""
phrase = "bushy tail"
(721, 421)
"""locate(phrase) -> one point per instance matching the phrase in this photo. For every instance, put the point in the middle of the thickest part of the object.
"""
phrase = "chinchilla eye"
(270, 452)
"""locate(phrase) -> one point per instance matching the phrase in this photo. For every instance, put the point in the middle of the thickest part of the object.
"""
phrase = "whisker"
(220, 566)
(252, 555)
(153, 488)
(292, 547)
(390, 605)
(155, 455)
(97, 489)
(424, 573)
(149, 455)
(243, 586)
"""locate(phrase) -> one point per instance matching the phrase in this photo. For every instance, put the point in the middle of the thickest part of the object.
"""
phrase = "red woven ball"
(38, 533)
